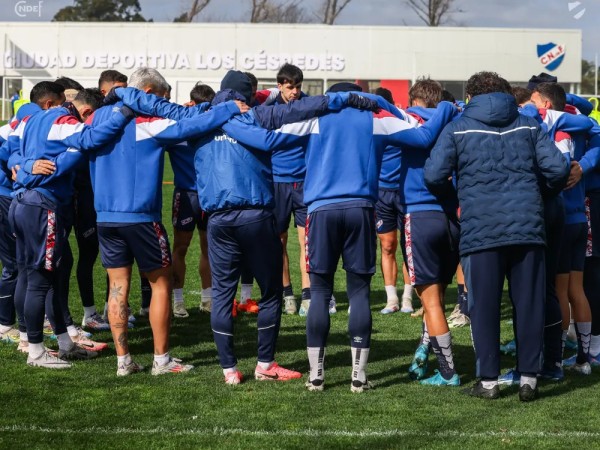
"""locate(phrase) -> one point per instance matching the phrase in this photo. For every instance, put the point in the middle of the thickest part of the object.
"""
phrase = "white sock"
(230, 370)
(161, 360)
(360, 356)
(489, 384)
(246, 293)
(124, 360)
(4, 328)
(23, 336)
(36, 350)
(265, 365)
(531, 381)
(65, 342)
(316, 360)
(206, 295)
(408, 291)
(392, 294)
(89, 311)
(178, 295)
(595, 345)
(572, 334)
(72, 331)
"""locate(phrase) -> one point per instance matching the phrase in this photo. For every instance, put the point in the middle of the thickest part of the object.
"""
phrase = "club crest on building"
(551, 55)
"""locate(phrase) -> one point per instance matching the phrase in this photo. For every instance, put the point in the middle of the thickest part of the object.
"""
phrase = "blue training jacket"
(344, 149)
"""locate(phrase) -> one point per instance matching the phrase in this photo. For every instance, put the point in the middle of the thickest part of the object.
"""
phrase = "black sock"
(288, 291)
(305, 293)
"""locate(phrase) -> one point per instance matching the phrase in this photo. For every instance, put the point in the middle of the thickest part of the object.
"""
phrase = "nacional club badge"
(551, 55)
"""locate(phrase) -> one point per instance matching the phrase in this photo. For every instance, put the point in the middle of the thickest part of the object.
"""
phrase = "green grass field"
(89, 407)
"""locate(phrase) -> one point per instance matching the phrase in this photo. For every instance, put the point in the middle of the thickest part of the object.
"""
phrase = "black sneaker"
(527, 393)
(477, 390)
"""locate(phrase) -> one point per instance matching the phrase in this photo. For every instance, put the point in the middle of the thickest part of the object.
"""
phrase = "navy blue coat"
(500, 159)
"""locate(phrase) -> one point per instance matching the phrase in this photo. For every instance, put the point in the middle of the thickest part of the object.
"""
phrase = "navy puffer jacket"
(499, 157)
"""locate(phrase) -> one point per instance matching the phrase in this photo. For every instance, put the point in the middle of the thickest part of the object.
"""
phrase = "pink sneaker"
(275, 373)
(234, 377)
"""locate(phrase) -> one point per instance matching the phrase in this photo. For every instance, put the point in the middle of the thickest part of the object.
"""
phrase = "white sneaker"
(358, 386)
(179, 310)
(455, 312)
(332, 305)
(407, 306)
(459, 321)
(128, 369)
(48, 361)
(144, 312)
(391, 308)
(304, 305)
(11, 336)
(173, 366)
(315, 385)
(583, 369)
(95, 322)
(289, 304)
(206, 306)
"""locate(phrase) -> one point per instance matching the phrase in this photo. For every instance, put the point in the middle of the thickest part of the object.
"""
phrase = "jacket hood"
(227, 94)
(496, 109)
(27, 110)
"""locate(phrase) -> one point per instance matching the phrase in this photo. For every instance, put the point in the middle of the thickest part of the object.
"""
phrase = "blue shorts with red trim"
(187, 213)
(40, 231)
(146, 243)
(289, 198)
(345, 230)
(430, 247)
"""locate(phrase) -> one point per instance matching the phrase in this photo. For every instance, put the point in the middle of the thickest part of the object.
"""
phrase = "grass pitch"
(89, 407)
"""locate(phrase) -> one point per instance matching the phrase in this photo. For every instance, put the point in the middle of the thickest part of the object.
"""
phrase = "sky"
(469, 13)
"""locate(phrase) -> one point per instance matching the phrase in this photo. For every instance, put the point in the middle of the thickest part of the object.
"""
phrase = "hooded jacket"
(499, 157)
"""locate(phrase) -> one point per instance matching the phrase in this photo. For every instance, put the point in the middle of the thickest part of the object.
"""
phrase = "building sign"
(174, 61)
(551, 55)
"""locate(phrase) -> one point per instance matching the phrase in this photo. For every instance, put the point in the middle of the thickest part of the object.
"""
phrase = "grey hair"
(148, 77)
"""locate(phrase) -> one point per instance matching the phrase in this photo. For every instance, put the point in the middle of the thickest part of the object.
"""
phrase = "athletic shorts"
(592, 210)
(41, 233)
(289, 197)
(389, 212)
(84, 222)
(349, 233)
(572, 250)
(146, 243)
(187, 214)
(430, 247)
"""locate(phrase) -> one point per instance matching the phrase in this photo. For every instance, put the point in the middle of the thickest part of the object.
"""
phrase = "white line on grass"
(218, 431)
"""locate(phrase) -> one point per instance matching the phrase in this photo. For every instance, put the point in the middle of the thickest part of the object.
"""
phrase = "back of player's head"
(91, 97)
(148, 79)
(289, 74)
(385, 93)
(69, 83)
(238, 82)
(554, 93)
(541, 78)
(487, 83)
(47, 90)
(428, 91)
(344, 86)
(202, 93)
(111, 76)
(253, 79)
(448, 97)
(521, 94)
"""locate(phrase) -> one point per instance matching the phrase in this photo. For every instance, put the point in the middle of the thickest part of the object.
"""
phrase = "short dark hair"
(521, 94)
(289, 74)
(202, 93)
(69, 83)
(448, 97)
(90, 96)
(45, 89)
(555, 93)
(253, 79)
(487, 83)
(385, 93)
(427, 90)
(112, 76)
